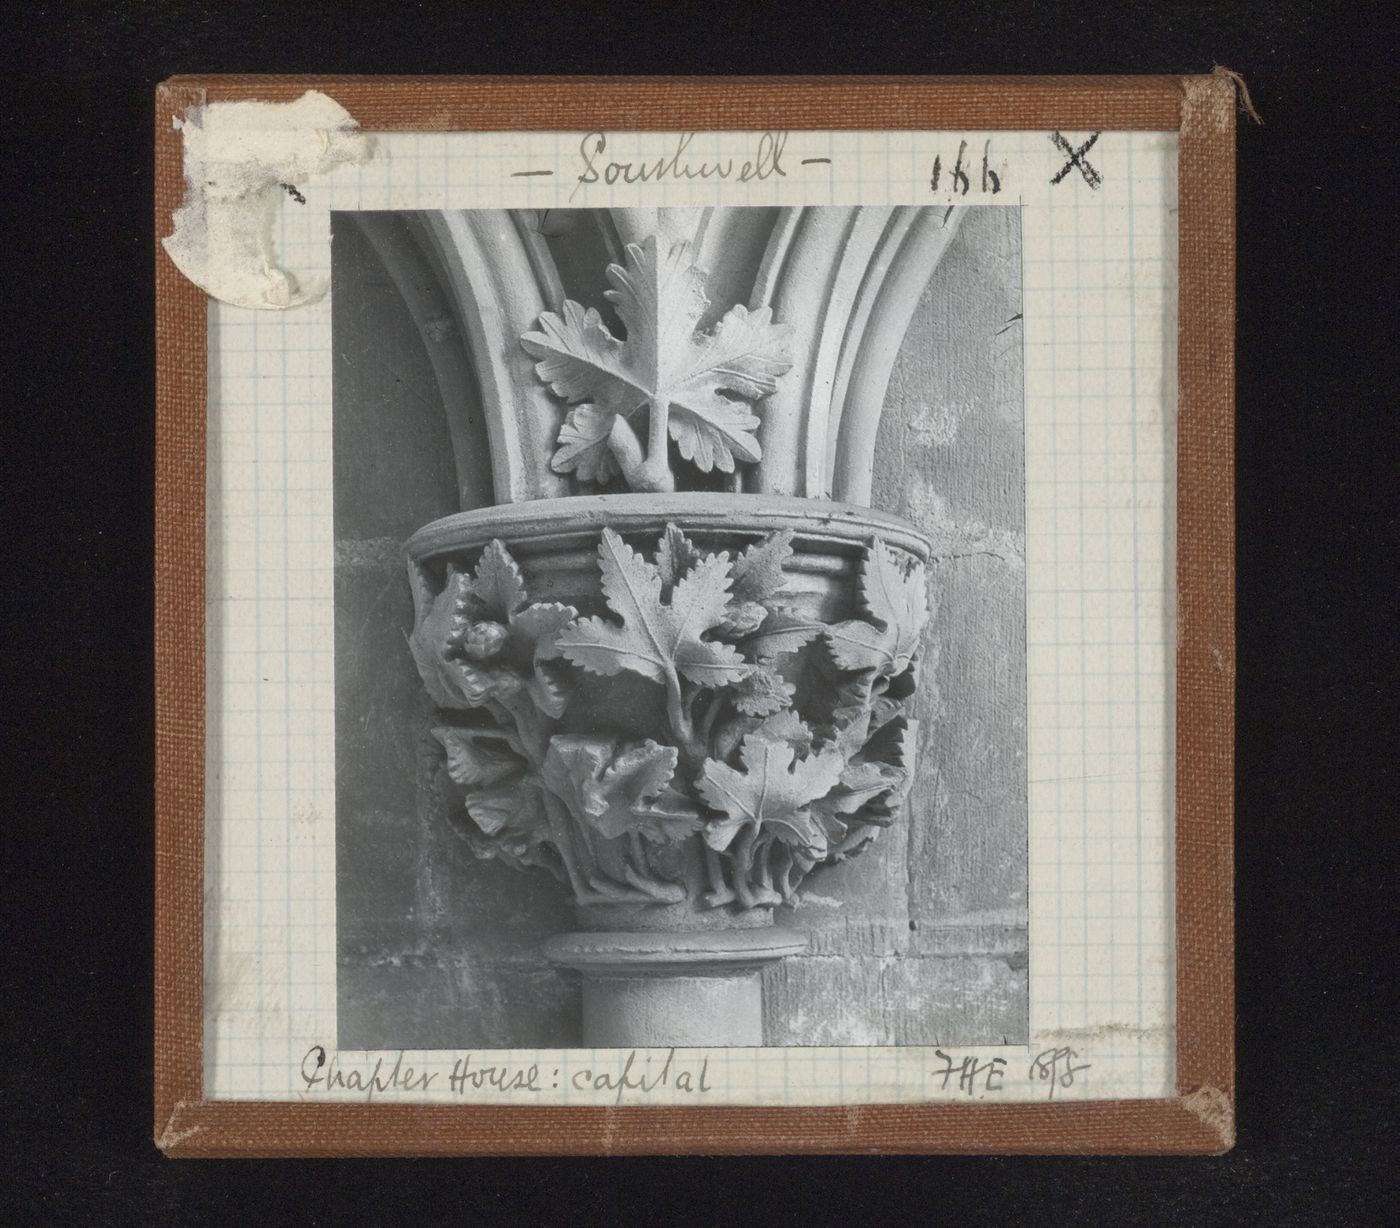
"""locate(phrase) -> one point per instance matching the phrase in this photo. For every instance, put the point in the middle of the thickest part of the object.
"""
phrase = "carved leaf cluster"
(606, 785)
(769, 789)
(657, 638)
(503, 795)
(704, 383)
(775, 789)
(483, 642)
(897, 606)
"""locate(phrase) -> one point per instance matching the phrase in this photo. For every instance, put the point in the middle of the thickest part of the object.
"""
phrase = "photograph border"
(1200, 1117)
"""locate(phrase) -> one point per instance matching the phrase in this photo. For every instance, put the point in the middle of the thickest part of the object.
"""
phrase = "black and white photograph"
(680, 627)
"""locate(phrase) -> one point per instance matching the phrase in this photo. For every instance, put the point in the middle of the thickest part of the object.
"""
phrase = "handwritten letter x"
(1077, 159)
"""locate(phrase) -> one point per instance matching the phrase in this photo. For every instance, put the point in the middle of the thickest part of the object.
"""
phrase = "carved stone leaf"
(861, 785)
(779, 634)
(741, 619)
(548, 692)
(860, 705)
(758, 571)
(774, 791)
(519, 852)
(896, 604)
(656, 639)
(536, 628)
(711, 431)
(894, 741)
(497, 589)
(583, 445)
(902, 686)
(636, 775)
(481, 642)
(572, 761)
(698, 605)
(675, 556)
(883, 710)
(863, 782)
(668, 818)
(451, 613)
(511, 825)
(847, 732)
(787, 727)
(877, 777)
(660, 296)
(512, 808)
(661, 299)
(762, 692)
(478, 757)
(601, 647)
(743, 357)
(834, 828)
(493, 808)
(434, 634)
(452, 681)
(604, 785)
(583, 362)
(855, 842)
(534, 633)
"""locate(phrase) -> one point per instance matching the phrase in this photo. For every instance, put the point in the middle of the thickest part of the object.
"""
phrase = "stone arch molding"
(842, 281)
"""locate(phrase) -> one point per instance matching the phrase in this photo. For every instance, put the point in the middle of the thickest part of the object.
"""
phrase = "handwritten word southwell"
(678, 164)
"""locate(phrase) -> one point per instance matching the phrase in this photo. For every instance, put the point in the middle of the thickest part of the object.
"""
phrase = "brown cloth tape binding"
(1201, 1118)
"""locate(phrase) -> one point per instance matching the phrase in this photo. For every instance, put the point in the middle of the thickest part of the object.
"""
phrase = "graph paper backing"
(1099, 287)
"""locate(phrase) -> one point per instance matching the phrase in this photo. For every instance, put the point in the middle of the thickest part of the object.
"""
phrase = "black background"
(1318, 643)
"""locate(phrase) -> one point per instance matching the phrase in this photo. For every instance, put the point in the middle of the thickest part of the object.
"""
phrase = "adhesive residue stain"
(244, 162)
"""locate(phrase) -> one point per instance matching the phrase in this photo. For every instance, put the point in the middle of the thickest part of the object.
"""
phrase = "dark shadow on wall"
(435, 948)
(920, 940)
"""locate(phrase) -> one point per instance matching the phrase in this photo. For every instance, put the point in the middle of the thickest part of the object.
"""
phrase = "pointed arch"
(500, 283)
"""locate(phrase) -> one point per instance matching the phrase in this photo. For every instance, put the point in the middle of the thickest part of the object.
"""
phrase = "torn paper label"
(241, 159)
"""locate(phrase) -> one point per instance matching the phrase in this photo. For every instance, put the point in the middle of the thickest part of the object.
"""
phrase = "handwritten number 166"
(955, 178)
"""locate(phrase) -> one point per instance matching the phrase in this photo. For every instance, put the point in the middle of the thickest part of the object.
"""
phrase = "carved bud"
(484, 641)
